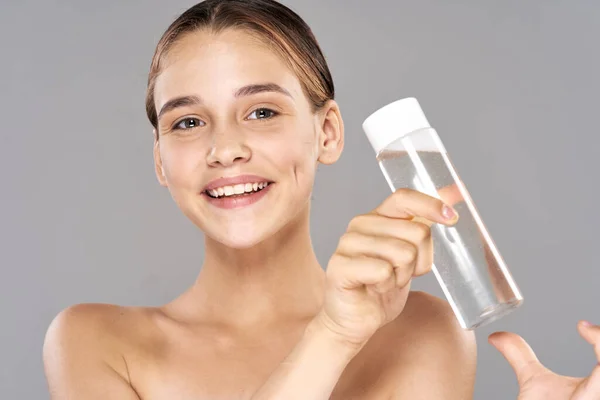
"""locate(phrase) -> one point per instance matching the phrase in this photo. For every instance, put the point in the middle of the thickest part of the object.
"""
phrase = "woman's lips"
(234, 180)
(237, 200)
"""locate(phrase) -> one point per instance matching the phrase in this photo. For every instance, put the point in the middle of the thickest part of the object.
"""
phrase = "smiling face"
(233, 118)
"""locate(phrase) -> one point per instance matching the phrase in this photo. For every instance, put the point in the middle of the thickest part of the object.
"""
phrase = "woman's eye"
(188, 123)
(262, 113)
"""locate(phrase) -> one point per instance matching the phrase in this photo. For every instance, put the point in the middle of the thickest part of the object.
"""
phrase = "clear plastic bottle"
(467, 264)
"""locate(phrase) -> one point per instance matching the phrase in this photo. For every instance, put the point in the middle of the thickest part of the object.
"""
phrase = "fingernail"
(448, 212)
(586, 324)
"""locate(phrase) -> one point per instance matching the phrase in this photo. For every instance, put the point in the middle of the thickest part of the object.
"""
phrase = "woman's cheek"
(181, 162)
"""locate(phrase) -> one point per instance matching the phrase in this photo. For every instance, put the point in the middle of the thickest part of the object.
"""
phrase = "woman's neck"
(278, 280)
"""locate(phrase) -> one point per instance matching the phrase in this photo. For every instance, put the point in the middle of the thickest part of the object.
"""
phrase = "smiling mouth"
(239, 190)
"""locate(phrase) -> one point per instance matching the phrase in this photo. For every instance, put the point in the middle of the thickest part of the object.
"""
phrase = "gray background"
(511, 87)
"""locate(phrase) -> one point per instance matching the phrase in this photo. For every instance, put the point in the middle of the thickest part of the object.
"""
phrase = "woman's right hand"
(368, 276)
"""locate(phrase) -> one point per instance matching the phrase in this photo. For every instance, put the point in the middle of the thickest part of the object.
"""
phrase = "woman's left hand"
(537, 382)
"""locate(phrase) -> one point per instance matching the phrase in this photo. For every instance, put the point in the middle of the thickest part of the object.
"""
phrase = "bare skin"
(130, 353)
(263, 320)
(536, 382)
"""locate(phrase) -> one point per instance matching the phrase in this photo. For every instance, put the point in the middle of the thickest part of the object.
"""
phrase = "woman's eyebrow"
(248, 90)
(182, 101)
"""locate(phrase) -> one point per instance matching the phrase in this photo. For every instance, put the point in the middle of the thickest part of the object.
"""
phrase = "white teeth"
(237, 189)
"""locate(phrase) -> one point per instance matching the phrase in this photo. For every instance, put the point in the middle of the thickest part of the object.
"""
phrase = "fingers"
(399, 255)
(450, 194)
(395, 251)
(356, 272)
(590, 387)
(407, 204)
(519, 355)
(387, 247)
(391, 239)
(591, 333)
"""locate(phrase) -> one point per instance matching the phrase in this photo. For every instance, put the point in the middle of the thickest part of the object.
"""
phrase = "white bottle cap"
(393, 121)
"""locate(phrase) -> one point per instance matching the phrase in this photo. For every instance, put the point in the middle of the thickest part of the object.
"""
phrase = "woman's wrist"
(322, 326)
(313, 368)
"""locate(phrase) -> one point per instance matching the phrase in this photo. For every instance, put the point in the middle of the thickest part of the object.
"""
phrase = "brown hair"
(280, 27)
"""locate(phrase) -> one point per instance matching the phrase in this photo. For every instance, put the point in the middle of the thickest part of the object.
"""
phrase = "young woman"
(242, 105)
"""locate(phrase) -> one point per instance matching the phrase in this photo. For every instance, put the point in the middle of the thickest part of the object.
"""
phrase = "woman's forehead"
(225, 61)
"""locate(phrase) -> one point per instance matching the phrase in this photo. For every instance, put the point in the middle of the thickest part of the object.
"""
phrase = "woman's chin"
(240, 243)
(245, 232)
(240, 239)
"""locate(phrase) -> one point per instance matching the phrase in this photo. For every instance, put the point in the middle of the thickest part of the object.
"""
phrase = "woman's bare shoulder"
(432, 347)
(429, 317)
(98, 319)
(105, 331)
(418, 355)
(422, 307)
(88, 348)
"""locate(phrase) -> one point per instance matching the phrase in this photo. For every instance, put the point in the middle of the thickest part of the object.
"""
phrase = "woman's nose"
(228, 147)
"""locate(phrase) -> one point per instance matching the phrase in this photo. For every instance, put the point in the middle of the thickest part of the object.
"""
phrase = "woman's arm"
(426, 353)
(312, 369)
(75, 360)
(368, 284)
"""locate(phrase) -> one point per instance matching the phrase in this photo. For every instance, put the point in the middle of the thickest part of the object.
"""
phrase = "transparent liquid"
(467, 265)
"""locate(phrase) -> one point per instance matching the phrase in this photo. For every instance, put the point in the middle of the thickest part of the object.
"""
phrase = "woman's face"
(233, 118)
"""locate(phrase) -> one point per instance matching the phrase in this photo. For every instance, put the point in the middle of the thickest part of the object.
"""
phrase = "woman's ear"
(158, 167)
(331, 133)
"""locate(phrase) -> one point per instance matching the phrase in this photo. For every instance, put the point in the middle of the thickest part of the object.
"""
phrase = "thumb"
(519, 355)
